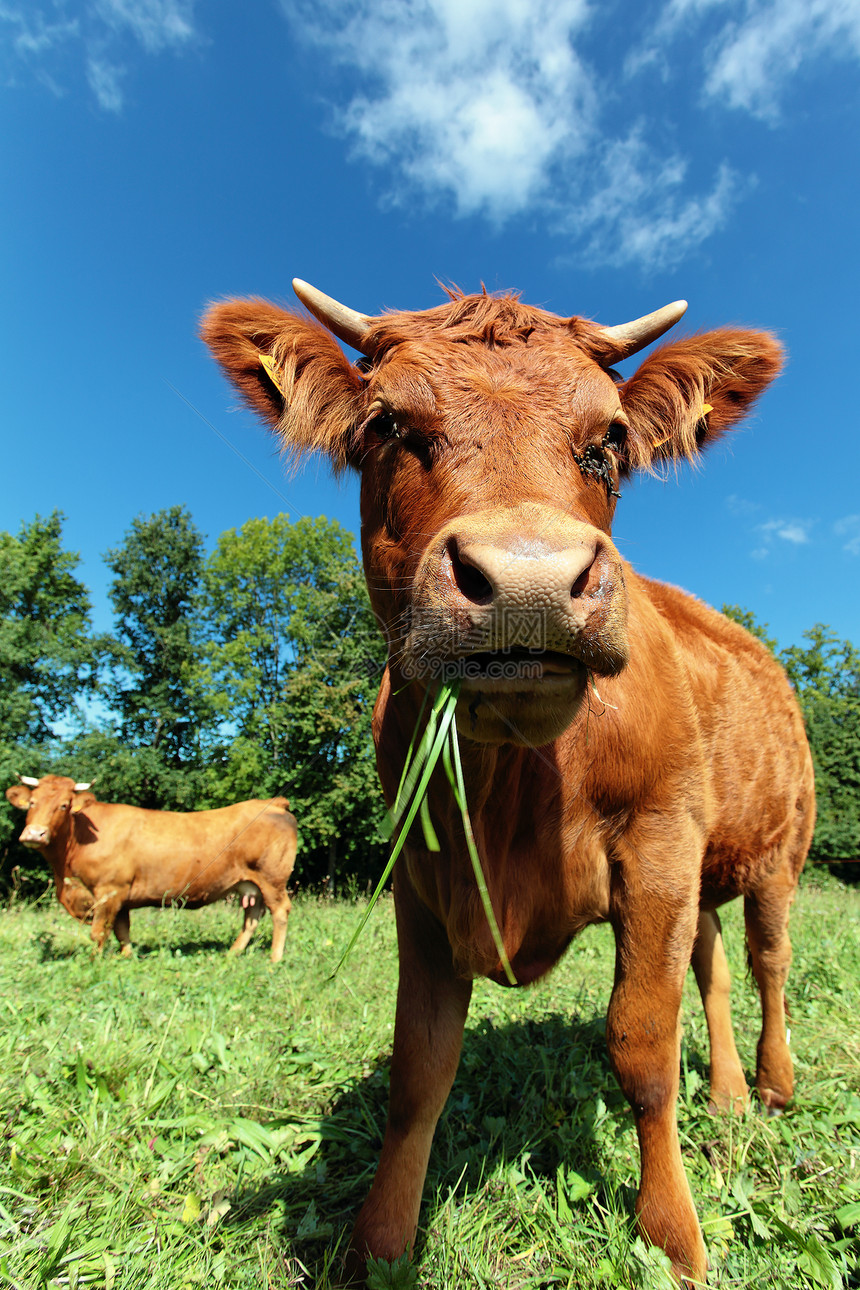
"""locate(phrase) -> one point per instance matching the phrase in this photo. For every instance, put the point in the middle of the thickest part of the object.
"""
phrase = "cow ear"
(19, 795)
(291, 372)
(687, 394)
(81, 801)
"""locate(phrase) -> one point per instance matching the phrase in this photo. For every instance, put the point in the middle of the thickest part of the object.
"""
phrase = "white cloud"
(741, 505)
(761, 45)
(757, 57)
(96, 37)
(104, 80)
(477, 100)
(849, 529)
(156, 24)
(795, 532)
(639, 210)
(489, 104)
(32, 33)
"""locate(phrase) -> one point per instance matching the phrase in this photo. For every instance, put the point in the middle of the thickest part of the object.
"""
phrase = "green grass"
(182, 1120)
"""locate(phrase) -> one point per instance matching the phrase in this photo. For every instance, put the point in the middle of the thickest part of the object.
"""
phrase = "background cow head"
(49, 803)
(491, 438)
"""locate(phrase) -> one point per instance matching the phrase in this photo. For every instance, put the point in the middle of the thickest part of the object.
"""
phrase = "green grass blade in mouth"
(416, 759)
(431, 841)
(410, 754)
(442, 715)
(459, 789)
(439, 739)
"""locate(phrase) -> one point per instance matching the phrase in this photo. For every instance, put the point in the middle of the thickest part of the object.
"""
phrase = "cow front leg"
(122, 932)
(106, 907)
(766, 915)
(653, 949)
(728, 1084)
(432, 1003)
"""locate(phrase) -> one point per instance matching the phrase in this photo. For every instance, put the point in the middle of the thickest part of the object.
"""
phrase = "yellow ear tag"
(269, 368)
(706, 408)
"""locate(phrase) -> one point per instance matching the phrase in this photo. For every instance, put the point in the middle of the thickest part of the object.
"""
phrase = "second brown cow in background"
(108, 859)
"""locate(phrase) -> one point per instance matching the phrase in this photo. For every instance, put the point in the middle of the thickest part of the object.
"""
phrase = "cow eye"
(384, 424)
(615, 438)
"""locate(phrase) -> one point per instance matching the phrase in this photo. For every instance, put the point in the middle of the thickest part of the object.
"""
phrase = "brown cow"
(108, 859)
(491, 439)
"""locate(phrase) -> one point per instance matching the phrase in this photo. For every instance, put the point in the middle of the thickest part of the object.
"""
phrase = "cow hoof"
(353, 1270)
(773, 1102)
(728, 1101)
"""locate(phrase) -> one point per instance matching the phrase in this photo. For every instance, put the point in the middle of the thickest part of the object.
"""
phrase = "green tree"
(156, 600)
(293, 665)
(153, 754)
(47, 656)
(48, 666)
(826, 676)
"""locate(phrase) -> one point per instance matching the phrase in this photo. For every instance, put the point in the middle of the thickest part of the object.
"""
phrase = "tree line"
(825, 674)
(252, 672)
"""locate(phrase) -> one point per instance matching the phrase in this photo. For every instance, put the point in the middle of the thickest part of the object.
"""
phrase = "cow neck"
(60, 851)
(514, 808)
(516, 801)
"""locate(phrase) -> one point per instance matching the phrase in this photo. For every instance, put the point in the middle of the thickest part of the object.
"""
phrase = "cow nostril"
(467, 577)
(581, 584)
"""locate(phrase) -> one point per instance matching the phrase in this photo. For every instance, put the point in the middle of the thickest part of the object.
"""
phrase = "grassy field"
(180, 1120)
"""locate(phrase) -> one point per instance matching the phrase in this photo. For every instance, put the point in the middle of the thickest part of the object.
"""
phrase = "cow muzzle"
(520, 607)
(35, 835)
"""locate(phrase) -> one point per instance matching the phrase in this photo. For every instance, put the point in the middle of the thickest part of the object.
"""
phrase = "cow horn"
(81, 788)
(345, 323)
(630, 337)
(28, 780)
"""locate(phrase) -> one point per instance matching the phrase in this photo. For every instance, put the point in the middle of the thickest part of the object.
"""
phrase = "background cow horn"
(81, 788)
(28, 780)
(346, 324)
(630, 337)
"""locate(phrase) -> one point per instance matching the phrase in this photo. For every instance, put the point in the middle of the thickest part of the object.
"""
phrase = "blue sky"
(604, 158)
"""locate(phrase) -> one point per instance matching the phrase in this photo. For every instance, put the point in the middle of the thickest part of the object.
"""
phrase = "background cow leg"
(653, 950)
(766, 914)
(122, 931)
(106, 907)
(279, 905)
(432, 1003)
(728, 1085)
(280, 914)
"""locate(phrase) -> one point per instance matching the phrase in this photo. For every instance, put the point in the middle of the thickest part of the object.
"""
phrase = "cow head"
(492, 439)
(49, 803)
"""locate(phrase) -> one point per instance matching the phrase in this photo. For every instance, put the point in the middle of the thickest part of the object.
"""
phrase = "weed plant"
(182, 1119)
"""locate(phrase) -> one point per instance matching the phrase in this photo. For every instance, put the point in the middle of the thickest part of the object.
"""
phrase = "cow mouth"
(519, 697)
(515, 671)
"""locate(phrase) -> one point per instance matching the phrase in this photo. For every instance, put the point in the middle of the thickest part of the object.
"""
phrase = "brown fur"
(489, 439)
(108, 859)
